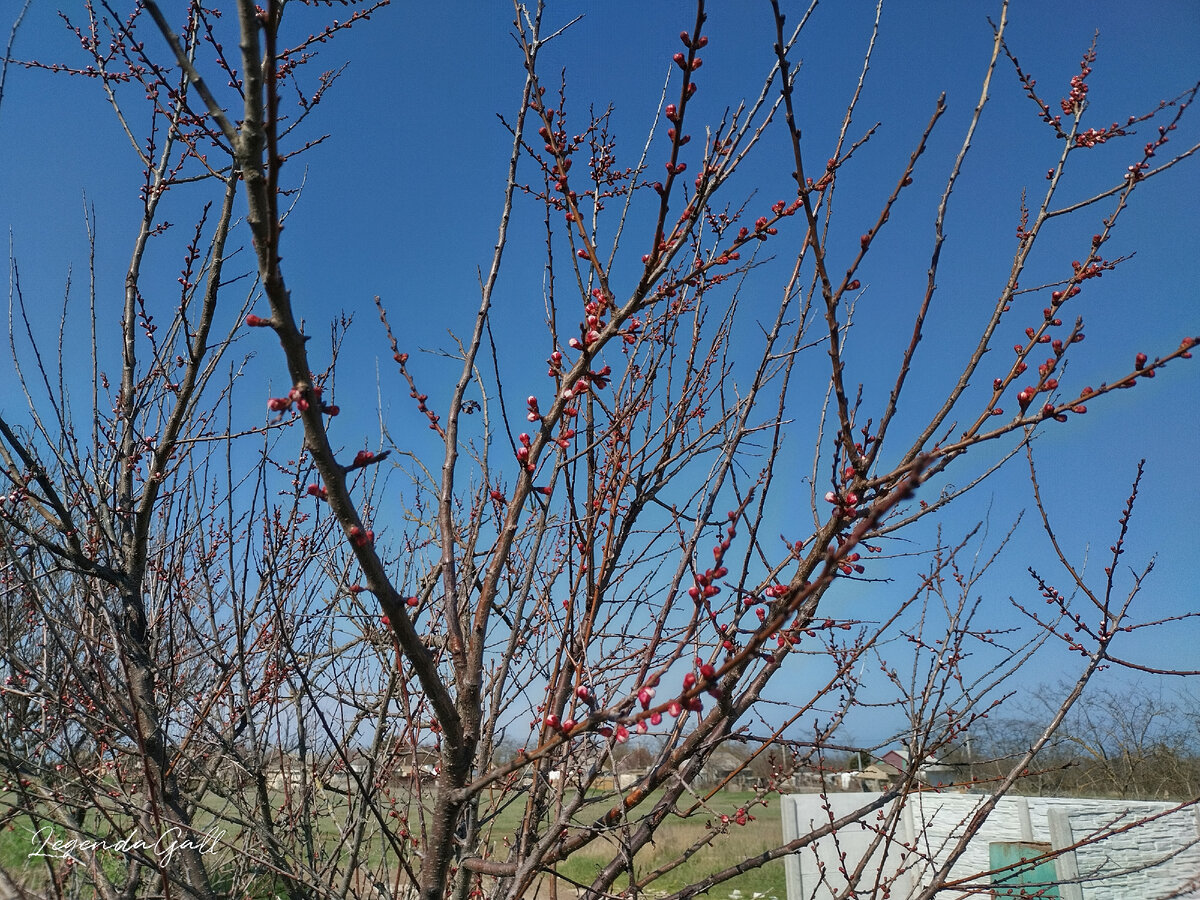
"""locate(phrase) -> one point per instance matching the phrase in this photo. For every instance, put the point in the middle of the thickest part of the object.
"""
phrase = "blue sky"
(402, 201)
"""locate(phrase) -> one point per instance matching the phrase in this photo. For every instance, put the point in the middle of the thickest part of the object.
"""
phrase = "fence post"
(1067, 866)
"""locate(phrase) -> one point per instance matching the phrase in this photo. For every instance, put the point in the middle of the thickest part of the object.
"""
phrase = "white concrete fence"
(1113, 849)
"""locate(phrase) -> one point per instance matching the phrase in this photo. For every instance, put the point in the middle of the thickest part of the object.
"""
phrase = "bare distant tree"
(1132, 741)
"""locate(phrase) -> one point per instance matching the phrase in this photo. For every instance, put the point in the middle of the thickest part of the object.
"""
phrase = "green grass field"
(673, 839)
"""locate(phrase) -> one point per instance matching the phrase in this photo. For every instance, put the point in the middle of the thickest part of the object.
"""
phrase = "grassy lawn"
(673, 839)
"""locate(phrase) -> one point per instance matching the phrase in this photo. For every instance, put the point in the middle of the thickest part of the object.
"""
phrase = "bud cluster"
(704, 589)
(1095, 136)
(1075, 100)
(302, 397)
(360, 537)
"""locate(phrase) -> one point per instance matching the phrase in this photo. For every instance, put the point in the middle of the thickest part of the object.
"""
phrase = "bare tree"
(1129, 741)
(376, 671)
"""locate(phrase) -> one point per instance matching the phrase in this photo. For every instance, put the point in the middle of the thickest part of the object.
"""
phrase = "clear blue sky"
(402, 201)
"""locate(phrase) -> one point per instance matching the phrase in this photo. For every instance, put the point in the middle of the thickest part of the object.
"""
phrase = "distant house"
(629, 771)
(341, 772)
(877, 777)
(603, 770)
(283, 770)
(407, 762)
(586, 760)
(897, 759)
(806, 781)
(724, 767)
(934, 772)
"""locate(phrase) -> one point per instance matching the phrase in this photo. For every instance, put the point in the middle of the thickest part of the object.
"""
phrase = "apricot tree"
(668, 491)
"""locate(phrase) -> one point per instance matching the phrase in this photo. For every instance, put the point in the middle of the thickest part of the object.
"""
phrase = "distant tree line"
(1129, 741)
